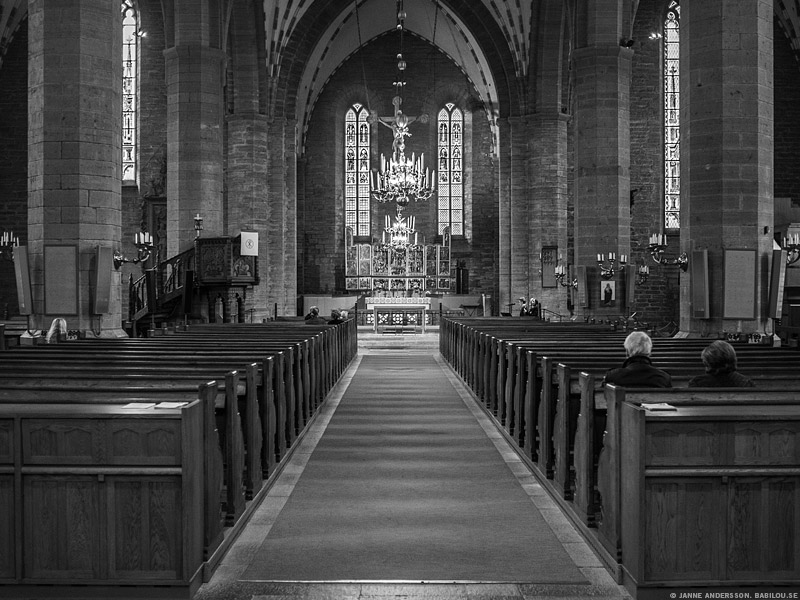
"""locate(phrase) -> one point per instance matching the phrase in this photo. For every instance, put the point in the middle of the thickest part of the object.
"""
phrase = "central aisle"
(405, 485)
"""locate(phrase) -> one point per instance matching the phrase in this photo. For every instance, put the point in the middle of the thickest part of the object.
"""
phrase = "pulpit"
(225, 275)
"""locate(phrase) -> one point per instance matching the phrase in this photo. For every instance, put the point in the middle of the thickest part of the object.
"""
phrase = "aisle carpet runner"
(405, 485)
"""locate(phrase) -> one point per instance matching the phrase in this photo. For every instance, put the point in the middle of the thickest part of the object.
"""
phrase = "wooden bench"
(101, 484)
(705, 496)
(298, 365)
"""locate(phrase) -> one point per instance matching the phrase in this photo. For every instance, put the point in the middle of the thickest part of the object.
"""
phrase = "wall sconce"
(607, 272)
(642, 273)
(656, 248)
(198, 225)
(792, 247)
(561, 274)
(8, 242)
(144, 245)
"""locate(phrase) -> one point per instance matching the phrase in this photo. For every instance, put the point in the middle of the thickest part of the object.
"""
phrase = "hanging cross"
(398, 123)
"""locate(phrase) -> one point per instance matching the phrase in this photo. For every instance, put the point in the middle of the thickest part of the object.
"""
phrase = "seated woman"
(719, 359)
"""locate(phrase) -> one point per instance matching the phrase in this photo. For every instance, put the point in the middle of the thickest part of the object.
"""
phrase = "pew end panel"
(709, 495)
(101, 496)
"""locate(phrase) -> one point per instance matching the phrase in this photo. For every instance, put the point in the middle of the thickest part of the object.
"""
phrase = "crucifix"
(398, 123)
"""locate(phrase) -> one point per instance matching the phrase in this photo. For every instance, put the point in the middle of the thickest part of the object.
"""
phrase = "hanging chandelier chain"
(363, 68)
(401, 179)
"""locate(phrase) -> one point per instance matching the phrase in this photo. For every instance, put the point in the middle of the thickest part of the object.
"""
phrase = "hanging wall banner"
(249, 243)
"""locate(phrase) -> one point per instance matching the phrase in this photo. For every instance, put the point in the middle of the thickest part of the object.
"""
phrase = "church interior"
(496, 176)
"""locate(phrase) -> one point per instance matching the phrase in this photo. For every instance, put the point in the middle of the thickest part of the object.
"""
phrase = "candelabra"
(8, 242)
(144, 246)
(642, 273)
(657, 247)
(792, 247)
(398, 234)
(607, 271)
(198, 225)
(561, 275)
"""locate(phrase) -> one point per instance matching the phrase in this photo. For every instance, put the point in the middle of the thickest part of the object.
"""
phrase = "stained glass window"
(672, 123)
(130, 89)
(356, 170)
(450, 165)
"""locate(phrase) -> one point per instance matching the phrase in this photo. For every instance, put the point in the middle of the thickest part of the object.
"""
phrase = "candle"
(599, 259)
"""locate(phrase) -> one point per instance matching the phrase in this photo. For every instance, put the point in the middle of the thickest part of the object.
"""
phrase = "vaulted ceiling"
(487, 39)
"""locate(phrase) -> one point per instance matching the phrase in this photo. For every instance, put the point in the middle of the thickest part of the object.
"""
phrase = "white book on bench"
(658, 406)
(171, 404)
(140, 405)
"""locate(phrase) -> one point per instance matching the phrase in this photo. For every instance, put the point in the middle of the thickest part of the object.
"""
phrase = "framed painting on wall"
(740, 284)
(61, 280)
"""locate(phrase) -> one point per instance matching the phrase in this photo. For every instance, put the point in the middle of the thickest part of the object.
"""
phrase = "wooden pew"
(704, 496)
(112, 369)
(93, 480)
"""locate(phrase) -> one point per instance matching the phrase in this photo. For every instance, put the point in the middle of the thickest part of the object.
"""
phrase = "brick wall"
(13, 156)
(431, 78)
(787, 118)
(657, 301)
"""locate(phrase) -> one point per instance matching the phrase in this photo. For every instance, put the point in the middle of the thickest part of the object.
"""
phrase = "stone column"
(247, 192)
(280, 266)
(548, 212)
(74, 158)
(726, 149)
(194, 143)
(602, 156)
(505, 255)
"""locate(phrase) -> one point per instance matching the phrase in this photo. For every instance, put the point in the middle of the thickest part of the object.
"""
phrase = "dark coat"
(638, 372)
(734, 379)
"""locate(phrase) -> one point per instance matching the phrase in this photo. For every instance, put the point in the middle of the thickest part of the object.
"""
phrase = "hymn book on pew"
(657, 406)
(171, 404)
(143, 405)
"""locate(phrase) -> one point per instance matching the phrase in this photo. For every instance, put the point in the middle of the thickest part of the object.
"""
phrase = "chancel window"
(357, 170)
(130, 90)
(672, 124)
(450, 165)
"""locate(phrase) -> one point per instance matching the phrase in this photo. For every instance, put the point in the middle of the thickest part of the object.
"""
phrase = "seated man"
(313, 318)
(336, 317)
(719, 359)
(637, 370)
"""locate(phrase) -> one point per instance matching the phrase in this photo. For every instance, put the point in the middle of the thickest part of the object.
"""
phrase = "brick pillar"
(194, 143)
(280, 266)
(246, 190)
(726, 148)
(602, 158)
(74, 189)
(548, 213)
(505, 238)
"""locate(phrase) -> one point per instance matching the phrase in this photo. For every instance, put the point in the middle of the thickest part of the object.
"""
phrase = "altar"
(390, 307)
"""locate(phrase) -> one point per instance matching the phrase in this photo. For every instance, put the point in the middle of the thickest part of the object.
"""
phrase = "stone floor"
(227, 582)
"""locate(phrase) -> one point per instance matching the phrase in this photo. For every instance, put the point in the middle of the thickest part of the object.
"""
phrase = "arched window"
(130, 91)
(672, 120)
(450, 164)
(356, 170)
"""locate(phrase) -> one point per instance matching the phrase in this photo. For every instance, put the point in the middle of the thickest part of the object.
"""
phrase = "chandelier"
(400, 232)
(401, 179)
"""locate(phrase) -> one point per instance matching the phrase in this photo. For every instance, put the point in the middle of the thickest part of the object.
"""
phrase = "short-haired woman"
(719, 359)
